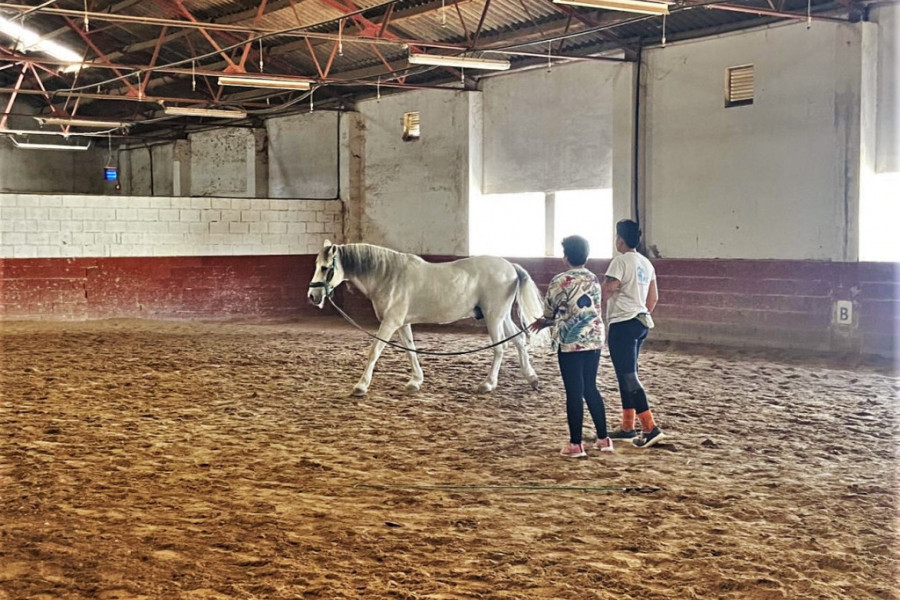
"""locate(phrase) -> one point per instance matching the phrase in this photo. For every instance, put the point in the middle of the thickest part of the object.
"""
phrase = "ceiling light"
(636, 6)
(27, 40)
(461, 62)
(187, 111)
(34, 146)
(72, 122)
(278, 83)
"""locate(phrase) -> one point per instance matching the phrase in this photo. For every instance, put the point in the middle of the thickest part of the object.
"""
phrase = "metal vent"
(411, 126)
(739, 86)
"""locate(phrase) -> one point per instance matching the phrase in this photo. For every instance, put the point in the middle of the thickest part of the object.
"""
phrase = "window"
(739, 86)
(534, 224)
(411, 126)
(587, 213)
(507, 225)
(879, 213)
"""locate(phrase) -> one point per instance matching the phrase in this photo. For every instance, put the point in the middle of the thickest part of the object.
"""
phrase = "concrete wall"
(304, 155)
(549, 130)
(414, 195)
(887, 16)
(52, 172)
(46, 226)
(230, 162)
(771, 180)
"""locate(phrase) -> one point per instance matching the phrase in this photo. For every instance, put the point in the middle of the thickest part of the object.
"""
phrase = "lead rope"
(430, 353)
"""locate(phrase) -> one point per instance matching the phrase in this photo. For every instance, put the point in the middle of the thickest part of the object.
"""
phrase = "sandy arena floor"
(209, 461)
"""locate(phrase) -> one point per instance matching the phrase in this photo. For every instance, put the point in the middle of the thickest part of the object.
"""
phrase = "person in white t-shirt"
(631, 292)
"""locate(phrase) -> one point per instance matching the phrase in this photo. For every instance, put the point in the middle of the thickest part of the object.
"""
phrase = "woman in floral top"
(573, 308)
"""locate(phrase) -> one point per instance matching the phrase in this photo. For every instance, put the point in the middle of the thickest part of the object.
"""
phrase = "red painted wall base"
(212, 287)
(737, 302)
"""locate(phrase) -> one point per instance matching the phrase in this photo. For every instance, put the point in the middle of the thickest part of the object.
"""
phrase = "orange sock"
(647, 423)
(627, 419)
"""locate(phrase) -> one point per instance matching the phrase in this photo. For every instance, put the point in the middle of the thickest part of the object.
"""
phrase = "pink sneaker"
(604, 445)
(573, 451)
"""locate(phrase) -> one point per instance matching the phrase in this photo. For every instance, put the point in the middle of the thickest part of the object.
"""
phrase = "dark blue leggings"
(625, 341)
(579, 374)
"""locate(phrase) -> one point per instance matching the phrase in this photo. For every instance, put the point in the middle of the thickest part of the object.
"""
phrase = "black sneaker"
(648, 439)
(623, 435)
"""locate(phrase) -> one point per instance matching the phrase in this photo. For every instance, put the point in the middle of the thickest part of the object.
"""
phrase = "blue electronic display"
(111, 173)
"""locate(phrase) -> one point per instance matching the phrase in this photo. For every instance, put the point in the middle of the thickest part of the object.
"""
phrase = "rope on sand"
(506, 488)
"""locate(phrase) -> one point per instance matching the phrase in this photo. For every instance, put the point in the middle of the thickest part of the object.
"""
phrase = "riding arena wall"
(85, 257)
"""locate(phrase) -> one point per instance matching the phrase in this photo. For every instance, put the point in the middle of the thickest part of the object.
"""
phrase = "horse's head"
(328, 274)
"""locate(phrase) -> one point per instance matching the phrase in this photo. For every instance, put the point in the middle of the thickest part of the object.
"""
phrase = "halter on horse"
(405, 290)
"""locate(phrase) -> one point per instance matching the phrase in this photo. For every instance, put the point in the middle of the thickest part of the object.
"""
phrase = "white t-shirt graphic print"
(634, 273)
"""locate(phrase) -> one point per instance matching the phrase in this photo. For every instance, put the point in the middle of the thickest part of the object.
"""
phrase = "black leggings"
(579, 374)
(625, 341)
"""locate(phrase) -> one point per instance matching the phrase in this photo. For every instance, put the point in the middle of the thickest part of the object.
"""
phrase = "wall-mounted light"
(218, 113)
(79, 122)
(461, 62)
(645, 7)
(277, 83)
(34, 146)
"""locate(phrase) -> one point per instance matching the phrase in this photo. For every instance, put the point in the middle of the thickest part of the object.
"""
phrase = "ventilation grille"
(739, 86)
(411, 126)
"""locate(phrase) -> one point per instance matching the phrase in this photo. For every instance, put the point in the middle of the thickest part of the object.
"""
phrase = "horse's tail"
(531, 304)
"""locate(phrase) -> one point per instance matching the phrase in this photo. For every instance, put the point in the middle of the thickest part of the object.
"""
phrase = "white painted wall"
(303, 155)
(550, 130)
(771, 180)
(414, 195)
(887, 16)
(47, 226)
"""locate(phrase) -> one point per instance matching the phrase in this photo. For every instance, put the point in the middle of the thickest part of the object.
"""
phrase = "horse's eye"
(323, 269)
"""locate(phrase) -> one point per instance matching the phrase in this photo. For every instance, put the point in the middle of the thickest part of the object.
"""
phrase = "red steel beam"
(156, 49)
(775, 13)
(259, 14)
(184, 11)
(97, 51)
(12, 97)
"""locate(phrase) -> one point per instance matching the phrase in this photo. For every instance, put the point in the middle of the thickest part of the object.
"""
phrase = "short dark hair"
(576, 250)
(629, 231)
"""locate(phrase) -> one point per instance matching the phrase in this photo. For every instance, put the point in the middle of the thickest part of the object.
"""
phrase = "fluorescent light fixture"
(27, 40)
(277, 83)
(187, 111)
(73, 122)
(636, 6)
(461, 62)
(33, 146)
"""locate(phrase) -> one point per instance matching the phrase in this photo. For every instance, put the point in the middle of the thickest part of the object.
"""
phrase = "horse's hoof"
(535, 384)
(485, 387)
(413, 387)
(359, 391)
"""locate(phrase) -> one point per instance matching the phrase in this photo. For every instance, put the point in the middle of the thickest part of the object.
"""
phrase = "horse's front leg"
(495, 330)
(385, 332)
(415, 382)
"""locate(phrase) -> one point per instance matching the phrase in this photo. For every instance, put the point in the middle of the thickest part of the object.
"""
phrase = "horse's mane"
(366, 260)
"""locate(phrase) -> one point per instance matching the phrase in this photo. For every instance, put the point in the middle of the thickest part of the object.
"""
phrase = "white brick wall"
(39, 226)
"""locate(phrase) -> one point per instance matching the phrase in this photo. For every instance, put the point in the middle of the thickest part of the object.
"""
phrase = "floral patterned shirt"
(573, 301)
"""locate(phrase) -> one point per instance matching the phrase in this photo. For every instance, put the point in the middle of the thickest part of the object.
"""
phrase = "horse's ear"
(326, 244)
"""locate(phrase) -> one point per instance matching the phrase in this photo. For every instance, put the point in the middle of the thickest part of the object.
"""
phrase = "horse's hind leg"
(509, 329)
(385, 332)
(495, 329)
(415, 382)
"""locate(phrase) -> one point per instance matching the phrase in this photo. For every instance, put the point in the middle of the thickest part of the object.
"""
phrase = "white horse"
(404, 289)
